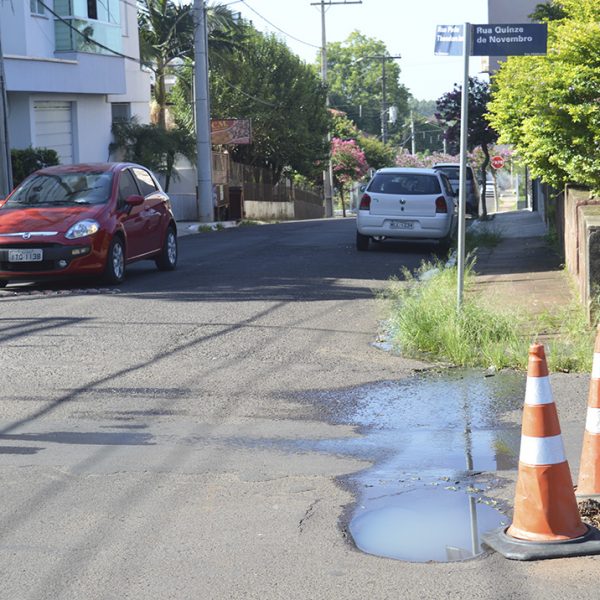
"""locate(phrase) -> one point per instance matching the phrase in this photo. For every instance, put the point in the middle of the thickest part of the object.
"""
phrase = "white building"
(506, 11)
(63, 90)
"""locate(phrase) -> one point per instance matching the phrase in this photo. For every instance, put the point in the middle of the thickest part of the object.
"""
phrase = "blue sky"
(407, 28)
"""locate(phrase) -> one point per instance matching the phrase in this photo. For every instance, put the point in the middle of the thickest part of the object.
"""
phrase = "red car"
(89, 219)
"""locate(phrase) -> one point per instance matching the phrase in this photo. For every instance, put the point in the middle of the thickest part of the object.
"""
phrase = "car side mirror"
(134, 200)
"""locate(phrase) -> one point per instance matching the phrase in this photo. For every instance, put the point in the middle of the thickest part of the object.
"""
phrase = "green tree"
(547, 106)
(548, 11)
(424, 108)
(480, 133)
(283, 97)
(167, 35)
(355, 72)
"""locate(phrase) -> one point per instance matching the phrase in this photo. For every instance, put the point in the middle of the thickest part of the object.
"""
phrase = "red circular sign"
(497, 162)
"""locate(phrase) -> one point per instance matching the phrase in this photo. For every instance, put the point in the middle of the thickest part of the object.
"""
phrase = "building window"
(37, 8)
(92, 7)
(121, 112)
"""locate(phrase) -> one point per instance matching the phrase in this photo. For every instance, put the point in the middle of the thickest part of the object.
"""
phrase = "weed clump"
(424, 322)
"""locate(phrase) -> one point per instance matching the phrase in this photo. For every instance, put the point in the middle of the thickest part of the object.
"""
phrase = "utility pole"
(413, 145)
(328, 173)
(384, 106)
(204, 188)
(5, 165)
(384, 128)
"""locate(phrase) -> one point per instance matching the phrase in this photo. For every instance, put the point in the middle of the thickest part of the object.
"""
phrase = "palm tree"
(167, 34)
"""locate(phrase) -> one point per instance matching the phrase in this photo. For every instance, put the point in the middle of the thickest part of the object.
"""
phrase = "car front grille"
(28, 267)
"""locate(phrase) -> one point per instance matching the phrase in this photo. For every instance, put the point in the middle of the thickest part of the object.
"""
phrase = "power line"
(241, 91)
(278, 28)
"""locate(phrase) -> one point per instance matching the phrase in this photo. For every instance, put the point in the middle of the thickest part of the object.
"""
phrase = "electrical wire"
(278, 28)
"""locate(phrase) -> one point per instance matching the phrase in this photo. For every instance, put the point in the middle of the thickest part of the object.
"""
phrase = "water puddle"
(436, 441)
(425, 525)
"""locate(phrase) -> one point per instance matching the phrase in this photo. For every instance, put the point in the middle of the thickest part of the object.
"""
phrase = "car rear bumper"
(404, 227)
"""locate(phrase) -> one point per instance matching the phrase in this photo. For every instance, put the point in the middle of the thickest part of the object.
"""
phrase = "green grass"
(424, 323)
(485, 236)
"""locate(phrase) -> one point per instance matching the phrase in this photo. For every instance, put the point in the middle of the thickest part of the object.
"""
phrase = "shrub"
(24, 162)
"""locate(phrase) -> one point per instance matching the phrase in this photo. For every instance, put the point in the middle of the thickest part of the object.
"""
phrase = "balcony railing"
(84, 22)
(68, 39)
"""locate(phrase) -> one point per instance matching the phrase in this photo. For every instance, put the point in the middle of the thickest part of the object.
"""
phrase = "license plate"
(25, 255)
(401, 224)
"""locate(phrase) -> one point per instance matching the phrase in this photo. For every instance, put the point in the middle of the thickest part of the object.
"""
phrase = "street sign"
(497, 162)
(500, 39)
(449, 40)
(520, 39)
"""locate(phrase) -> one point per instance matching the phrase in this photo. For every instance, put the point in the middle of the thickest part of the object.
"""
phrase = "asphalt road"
(147, 432)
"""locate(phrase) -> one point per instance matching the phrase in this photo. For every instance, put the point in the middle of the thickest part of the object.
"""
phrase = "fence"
(263, 196)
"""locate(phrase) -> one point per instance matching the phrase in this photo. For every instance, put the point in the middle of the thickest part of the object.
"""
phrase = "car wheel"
(362, 241)
(3, 283)
(167, 259)
(115, 262)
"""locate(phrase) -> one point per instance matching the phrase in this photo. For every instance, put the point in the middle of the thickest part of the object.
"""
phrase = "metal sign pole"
(462, 200)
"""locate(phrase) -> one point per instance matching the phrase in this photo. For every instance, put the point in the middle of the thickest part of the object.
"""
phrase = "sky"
(406, 27)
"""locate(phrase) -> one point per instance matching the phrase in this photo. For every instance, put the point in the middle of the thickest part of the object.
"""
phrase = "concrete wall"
(576, 198)
(582, 242)
(269, 211)
(589, 256)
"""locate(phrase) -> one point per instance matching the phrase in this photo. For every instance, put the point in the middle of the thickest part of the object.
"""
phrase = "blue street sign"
(521, 39)
(449, 40)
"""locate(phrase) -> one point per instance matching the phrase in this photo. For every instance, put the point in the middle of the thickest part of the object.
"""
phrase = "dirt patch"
(590, 512)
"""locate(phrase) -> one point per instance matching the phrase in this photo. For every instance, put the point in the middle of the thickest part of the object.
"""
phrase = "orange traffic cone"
(545, 504)
(588, 485)
(546, 521)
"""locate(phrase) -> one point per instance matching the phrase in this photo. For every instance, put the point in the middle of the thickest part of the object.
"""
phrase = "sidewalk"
(523, 271)
(190, 227)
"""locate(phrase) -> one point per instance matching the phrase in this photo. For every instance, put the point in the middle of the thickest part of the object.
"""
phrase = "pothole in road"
(435, 441)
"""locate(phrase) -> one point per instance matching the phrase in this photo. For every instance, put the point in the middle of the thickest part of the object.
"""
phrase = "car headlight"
(83, 228)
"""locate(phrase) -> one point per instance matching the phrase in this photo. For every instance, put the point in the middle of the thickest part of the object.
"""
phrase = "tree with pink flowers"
(348, 163)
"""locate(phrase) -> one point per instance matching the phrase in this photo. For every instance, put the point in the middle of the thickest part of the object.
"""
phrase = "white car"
(406, 204)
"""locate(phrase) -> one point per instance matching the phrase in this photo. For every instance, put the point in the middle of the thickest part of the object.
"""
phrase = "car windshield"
(454, 172)
(412, 184)
(55, 189)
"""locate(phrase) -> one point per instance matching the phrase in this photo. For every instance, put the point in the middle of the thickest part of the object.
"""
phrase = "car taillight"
(365, 202)
(440, 205)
